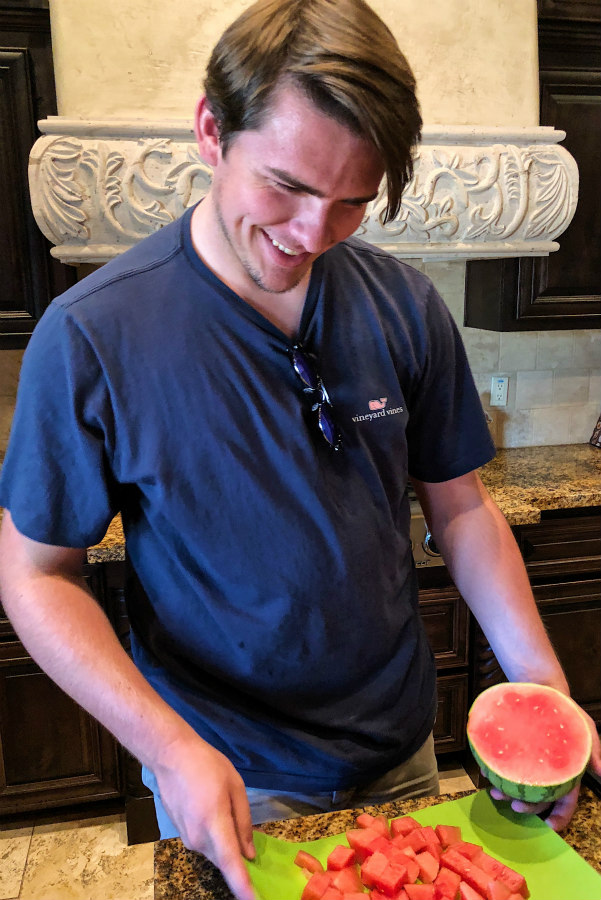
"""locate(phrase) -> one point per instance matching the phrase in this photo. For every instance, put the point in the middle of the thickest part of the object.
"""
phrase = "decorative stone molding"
(100, 187)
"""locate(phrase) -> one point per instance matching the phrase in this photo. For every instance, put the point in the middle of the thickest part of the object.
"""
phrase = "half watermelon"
(531, 741)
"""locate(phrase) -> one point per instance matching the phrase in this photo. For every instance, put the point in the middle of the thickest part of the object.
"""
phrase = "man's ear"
(206, 130)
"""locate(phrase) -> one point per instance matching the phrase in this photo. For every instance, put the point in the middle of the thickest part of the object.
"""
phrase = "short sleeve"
(447, 433)
(56, 478)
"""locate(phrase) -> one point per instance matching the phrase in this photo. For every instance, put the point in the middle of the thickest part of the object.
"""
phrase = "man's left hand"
(563, 809)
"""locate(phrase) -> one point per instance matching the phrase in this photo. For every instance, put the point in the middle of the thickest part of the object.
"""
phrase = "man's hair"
(345, 59)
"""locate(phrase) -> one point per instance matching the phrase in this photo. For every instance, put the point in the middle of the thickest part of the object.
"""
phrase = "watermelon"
(531, 741)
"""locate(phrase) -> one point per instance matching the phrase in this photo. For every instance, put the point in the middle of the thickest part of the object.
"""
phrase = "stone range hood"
(99, 187)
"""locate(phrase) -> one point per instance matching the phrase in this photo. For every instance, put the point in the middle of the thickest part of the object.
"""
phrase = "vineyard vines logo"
(378, 410)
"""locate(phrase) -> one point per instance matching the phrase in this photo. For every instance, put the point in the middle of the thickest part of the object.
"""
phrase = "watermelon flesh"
(531, 741)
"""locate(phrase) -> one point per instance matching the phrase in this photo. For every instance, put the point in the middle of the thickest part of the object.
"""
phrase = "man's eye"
(291, 188)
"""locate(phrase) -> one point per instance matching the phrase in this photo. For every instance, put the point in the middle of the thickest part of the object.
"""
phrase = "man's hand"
(205, 798)
(563, 809)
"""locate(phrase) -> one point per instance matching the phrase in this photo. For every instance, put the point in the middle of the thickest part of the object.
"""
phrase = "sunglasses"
(322, 404)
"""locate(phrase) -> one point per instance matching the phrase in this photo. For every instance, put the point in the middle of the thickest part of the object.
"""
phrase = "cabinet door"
(52, 753)
(563, 290)
(30, 277)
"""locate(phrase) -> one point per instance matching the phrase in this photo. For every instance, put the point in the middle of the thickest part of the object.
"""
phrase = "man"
(251, 390)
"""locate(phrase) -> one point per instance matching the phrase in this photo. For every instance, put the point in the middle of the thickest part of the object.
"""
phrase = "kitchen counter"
(182, 875)
(523, 481)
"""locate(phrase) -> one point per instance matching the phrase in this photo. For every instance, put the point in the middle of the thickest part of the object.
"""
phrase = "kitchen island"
(183, 875)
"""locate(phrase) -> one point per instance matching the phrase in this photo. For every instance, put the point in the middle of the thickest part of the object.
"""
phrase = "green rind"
(529, 793)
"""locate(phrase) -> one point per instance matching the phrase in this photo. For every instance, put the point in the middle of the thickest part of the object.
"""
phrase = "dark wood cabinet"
(446, 620)
(562, 290)
(52, 753)
(30, 277)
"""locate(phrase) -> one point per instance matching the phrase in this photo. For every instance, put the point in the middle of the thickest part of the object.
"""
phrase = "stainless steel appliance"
(423, 546)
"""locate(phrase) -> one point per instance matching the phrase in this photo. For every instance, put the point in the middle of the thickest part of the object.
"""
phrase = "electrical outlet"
(498, 390)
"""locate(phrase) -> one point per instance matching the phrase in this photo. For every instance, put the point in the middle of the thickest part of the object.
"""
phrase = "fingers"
(563, 810)
(227, 857)
(243, 821)
(595, 760)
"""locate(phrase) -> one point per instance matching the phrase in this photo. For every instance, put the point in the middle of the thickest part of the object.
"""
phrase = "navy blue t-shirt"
(276, 599)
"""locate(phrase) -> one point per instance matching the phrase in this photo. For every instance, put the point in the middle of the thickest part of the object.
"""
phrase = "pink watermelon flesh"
(532, 742)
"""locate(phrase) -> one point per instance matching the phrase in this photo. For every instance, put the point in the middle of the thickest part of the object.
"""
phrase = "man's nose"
(313, 226)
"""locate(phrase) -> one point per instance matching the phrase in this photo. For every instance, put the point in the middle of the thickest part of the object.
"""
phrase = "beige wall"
(475, 60)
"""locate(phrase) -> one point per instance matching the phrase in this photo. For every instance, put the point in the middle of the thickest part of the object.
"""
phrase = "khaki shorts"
(416, 777)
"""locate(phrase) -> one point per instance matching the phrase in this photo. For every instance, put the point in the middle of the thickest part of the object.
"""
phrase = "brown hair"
(345, 59)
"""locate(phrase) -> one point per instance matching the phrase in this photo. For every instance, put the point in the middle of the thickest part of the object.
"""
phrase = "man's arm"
(485, 563)
(67, 633)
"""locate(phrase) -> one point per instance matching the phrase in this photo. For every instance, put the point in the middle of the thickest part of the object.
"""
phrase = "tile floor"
(90, 859)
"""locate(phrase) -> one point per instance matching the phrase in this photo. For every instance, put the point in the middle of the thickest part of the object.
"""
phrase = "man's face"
(288, 191)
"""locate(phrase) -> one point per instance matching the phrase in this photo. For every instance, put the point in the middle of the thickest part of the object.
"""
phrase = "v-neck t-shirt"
(273, 598)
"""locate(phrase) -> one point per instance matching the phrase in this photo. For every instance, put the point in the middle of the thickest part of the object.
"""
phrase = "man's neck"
(284, 310)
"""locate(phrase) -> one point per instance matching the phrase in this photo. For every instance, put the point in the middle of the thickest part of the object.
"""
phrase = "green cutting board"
(553, 870)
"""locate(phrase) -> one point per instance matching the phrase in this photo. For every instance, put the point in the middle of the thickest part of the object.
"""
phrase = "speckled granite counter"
(182, 875)
(523, 481)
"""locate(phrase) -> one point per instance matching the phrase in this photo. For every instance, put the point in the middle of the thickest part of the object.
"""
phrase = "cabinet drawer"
(560, 546)
(451, 714)
(445, 619)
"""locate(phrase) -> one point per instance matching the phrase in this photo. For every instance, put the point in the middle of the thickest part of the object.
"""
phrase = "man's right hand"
(205, 798)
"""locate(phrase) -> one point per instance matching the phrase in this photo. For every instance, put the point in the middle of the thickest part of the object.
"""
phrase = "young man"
(251, 388)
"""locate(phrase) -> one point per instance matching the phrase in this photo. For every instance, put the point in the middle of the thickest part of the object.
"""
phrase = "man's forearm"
(71, 639)
(486, 565)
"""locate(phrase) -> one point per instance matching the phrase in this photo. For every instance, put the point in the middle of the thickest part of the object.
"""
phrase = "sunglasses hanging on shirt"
(314, 386)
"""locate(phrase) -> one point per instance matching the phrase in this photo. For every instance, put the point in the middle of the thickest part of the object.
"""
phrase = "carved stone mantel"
(97, 188)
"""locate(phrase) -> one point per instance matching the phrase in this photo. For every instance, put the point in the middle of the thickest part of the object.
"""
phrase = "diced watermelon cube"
(496, 890)
(378, 823)
(429, 835)
(475, 877)
(448, 834)
(400, 858)
(360, 839)
(403, 825)
(382, 845)
(470, 851)
(414, 839)
(356, 895)
(447, 883)
(332, 894)
(348, 880)
(316, 886)
(398, 843)
(512, 879)
(428, 866)
(378, 895)
(435, 849)
(466, 892)
(340, 857)
(372, 868)
(421, 891)
(391, 880)
(308, 861)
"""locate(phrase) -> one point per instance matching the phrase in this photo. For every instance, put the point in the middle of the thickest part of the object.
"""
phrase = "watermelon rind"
(529, 792)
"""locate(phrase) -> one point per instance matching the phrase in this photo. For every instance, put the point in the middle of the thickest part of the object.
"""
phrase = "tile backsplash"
(554, 376)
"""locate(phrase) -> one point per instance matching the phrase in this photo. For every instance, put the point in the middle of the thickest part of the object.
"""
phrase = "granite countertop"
(180, 874)
(522, 481)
